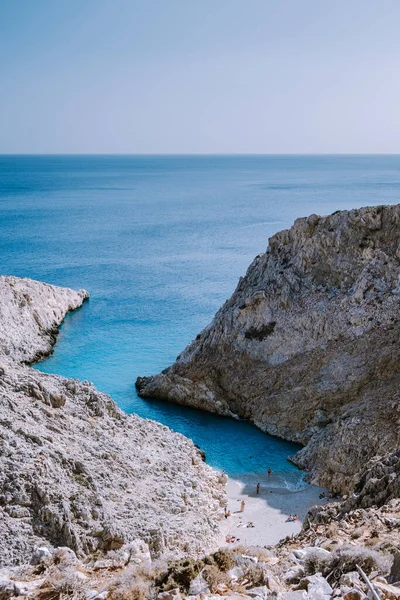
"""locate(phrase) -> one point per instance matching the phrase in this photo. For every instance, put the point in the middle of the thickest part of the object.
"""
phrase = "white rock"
(318, 588)
(198, 585)
(40, 554)
(253, 559)
(304, 553)
(259, 592)
(96, 595)
(296, 572)
(26, 588)
(294, 595)
(235, 573)
(350, 579)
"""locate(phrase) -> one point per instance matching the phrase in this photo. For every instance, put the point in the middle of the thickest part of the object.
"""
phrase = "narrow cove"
(237, 447)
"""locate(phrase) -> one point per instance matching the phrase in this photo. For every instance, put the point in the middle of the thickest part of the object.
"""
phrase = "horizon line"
(205, 154)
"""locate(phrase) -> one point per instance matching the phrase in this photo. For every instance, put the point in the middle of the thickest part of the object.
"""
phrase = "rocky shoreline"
(307, 347)
(75, 470)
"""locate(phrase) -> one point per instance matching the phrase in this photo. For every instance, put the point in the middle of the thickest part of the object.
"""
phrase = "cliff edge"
(308, 345)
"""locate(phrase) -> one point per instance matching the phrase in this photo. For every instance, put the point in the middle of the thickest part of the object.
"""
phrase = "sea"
(160, 243)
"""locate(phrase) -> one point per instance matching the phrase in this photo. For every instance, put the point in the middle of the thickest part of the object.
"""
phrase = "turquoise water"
(160, 243)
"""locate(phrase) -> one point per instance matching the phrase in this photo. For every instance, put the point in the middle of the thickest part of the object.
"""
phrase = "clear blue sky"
(199, 76)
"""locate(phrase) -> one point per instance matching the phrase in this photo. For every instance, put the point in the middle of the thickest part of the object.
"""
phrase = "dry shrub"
(315, 563)
(62, 585)
(332, 531)
(180, 574)
(133, 590)
(346, 559)
(224, 559)
(214, 577)
(255, 574)
(240, 550)
(135, 583)
(357, 533)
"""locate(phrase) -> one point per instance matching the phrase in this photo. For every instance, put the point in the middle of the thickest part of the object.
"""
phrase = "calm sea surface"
(160, 242)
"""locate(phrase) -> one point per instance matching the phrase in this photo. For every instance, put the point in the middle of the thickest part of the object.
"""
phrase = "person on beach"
(269, 472)
(258, 488)
(242, 505)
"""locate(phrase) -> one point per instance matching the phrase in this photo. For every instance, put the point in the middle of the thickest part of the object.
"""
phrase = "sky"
(199, 76)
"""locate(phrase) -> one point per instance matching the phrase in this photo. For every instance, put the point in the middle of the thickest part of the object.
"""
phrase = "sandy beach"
(268, 511)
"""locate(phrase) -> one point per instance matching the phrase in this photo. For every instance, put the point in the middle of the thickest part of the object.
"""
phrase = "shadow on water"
(235, 446)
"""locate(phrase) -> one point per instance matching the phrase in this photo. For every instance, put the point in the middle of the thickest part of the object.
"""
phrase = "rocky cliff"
(74, 470)
(308, 345)
(30, 314)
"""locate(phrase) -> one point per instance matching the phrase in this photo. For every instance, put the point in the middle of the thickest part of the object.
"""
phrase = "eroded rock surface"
(30, 313)
(76, 471)
(321, 563)
(308, 345)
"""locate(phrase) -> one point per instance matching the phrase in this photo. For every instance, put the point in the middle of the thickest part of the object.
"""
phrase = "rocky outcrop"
(379, 483)
(308, 345)
(344, 559)
(30, 314)
(76, 471)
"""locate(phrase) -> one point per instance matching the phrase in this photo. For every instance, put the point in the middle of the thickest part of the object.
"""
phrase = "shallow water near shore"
(160, 242)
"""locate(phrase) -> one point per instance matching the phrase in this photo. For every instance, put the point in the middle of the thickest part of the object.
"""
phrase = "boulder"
(317, 587)
(235, 573)
(294, 574)
(311, 551)
(198, 585)
(41, 554)
(259, 592)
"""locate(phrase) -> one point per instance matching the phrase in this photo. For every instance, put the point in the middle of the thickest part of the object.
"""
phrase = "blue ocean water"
(160, 242)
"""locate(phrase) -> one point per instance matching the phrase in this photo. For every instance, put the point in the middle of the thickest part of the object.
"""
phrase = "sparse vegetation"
(260, 333)
(346, 559)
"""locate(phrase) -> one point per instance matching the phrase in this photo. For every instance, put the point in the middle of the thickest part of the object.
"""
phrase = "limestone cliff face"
(30, 313)
(308, 345)
(74, 470)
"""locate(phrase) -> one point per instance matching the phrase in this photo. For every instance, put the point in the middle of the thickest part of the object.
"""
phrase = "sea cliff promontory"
(77, 472)
(307, 347)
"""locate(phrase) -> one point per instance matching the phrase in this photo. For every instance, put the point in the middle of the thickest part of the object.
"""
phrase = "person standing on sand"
(242, 505)
(258, 488)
